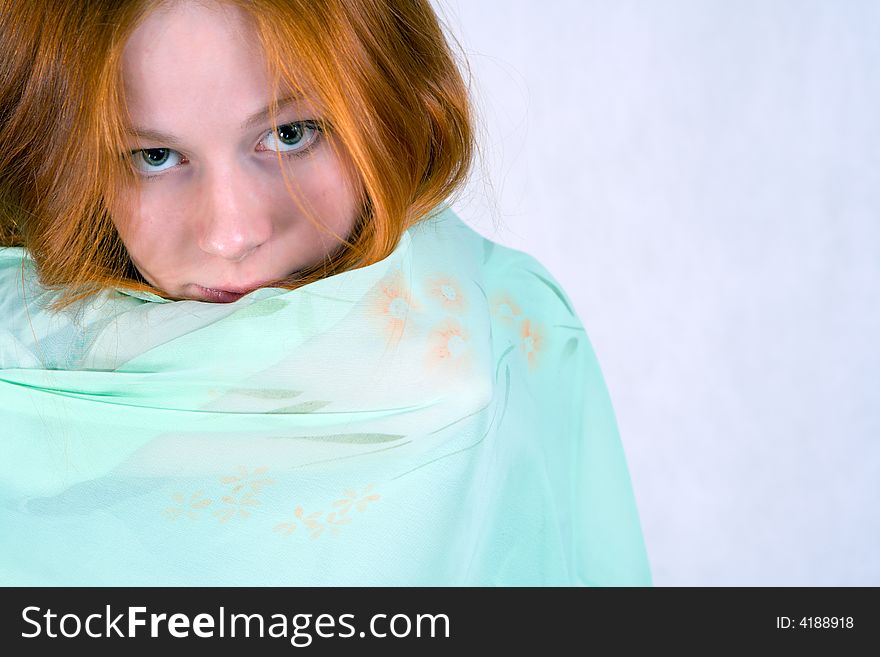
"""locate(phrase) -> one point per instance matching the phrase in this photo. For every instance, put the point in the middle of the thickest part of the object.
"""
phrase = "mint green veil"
(436, 418)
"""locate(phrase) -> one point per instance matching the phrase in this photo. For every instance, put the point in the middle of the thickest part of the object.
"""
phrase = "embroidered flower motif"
(448, 343)
(352, 499)
(392, 302)
(447, 291)
(313, 522)
(242, 494)
(247, 480)
(505, 308)
(532, 340)
(187, 508)
(333, 519)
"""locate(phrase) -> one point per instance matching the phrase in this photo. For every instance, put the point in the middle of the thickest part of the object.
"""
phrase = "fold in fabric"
(436, 418)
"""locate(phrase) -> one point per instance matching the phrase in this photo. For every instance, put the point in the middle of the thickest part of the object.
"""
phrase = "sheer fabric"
(436, 418)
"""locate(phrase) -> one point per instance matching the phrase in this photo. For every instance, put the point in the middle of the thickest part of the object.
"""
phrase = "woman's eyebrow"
(263, 114)
(253, 119)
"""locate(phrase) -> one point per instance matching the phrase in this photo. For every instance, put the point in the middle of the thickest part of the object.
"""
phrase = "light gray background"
(703, 178)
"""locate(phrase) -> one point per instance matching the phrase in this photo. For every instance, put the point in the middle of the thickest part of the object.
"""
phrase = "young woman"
(244, 340)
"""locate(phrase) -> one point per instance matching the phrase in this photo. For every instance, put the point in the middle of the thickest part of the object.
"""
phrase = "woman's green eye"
(291, 136)
(156, 156)
(149, 160)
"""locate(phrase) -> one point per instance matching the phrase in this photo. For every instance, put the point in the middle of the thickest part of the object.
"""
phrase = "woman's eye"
(153, 160)
(292, 137)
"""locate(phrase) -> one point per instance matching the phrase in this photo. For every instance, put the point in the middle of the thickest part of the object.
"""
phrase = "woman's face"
(213, 211)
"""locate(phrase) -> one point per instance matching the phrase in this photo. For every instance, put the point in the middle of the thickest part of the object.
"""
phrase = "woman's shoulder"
(32, 334)
(16, 270)
(12, 256)
(509, 276)
(17, 274)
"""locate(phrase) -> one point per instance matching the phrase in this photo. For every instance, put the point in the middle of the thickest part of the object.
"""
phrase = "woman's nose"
(234, 223)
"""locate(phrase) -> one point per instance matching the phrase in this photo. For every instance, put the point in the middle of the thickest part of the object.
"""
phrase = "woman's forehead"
(207, 54)
(190, 41)
(194, 59)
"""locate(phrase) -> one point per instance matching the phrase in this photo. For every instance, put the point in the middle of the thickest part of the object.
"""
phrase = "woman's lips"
(219, 296)
(228, 294)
